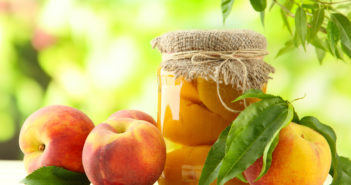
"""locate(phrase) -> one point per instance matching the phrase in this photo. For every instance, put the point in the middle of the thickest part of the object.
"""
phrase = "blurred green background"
(95, 55)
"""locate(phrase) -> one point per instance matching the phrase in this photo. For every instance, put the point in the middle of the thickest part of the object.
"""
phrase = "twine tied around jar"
(220, 59)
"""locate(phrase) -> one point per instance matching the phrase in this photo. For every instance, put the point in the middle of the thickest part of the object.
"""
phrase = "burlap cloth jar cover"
(233, 57)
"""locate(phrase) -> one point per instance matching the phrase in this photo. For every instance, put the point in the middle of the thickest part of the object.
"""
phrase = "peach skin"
(124, 151)
(54, 136)
(301, 157)
(134, 114)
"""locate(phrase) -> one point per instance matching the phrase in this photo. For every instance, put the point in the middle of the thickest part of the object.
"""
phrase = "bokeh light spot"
(7, 126)
(29, 95)
(73, 81)
(111, 67)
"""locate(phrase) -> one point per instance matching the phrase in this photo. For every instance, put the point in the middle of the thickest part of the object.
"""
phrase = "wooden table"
(12, 172)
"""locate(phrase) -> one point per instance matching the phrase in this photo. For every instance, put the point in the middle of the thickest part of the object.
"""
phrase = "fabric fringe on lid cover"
(232, 57)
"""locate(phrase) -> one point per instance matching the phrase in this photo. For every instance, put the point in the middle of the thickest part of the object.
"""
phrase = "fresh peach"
(301, 157)
(124, 151)
(54, 136)
(134, 114)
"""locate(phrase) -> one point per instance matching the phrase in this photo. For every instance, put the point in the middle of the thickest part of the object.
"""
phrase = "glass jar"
(191, 117)
(193, 106)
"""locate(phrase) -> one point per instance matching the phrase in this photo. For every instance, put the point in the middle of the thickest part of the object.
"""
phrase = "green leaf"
(289, 45)
(296, 40)
(262, 18)
(226, 6)
(285, 21)
(344, 171)
(346, 50)
(339, 53)
(333, 35)
(289, 4)
(345, 5)
(242, 178)
(320, 54)
(267, 157)
(254, 93)
(296, 118)
(254, 128)
(344, 26)
(301, 25)
(310, 6)
(259, 5)
(317, 21)
(214, 159)
(272, 5)
(52, 175)
(318, 43)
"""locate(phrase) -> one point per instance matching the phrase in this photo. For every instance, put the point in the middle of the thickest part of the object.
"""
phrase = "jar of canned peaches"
(201, 73)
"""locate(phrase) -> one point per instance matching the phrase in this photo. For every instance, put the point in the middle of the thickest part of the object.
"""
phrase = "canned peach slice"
(184, 166)
(195, 124)
(208, 95)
